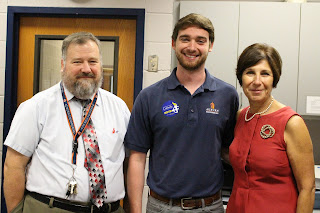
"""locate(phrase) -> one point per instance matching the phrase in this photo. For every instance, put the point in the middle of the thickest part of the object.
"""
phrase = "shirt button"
(191, 110)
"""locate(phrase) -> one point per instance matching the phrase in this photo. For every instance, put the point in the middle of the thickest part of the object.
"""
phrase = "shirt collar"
(69, 95)
(209, 83)
(172, 80)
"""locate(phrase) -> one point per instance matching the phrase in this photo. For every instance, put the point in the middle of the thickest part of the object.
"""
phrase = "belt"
(188, 203)
(74, 206)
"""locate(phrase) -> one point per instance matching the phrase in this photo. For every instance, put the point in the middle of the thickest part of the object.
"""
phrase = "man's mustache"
(86, 75)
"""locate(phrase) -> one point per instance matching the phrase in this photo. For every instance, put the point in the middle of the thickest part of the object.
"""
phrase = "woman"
(271, 154)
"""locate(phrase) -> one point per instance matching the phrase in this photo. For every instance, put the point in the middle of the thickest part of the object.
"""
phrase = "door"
(125, 29)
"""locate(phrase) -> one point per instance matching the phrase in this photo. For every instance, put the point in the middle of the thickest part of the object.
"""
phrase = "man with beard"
(65, 144)
(185, 120)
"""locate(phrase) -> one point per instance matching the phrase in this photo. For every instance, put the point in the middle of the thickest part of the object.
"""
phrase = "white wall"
(3, 30)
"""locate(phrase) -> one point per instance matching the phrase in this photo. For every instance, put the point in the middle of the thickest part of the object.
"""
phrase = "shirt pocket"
(111, 144)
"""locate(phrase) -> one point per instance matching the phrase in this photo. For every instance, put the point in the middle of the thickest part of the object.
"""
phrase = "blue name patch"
(170, 108)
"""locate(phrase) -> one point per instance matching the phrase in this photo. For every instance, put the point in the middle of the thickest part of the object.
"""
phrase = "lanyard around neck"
(83, 125)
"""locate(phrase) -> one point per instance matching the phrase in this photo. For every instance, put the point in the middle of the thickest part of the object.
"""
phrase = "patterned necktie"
(93, 161)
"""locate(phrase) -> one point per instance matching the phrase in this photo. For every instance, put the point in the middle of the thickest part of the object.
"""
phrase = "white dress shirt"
(40, 130)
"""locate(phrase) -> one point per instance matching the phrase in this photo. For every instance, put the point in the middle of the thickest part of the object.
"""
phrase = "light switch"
(153, 63)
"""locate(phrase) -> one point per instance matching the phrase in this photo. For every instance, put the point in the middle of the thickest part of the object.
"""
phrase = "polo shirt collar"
(209, 83)
(172, 80)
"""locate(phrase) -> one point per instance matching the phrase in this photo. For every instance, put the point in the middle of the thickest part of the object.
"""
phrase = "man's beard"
(82, 88)
(190, 66)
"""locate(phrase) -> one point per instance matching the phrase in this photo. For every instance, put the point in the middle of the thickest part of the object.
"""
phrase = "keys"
(72, 186)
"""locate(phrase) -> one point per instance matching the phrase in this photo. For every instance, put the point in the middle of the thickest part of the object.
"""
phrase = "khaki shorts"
(19, 207)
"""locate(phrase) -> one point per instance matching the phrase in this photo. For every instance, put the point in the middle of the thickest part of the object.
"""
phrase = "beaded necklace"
(258, 113)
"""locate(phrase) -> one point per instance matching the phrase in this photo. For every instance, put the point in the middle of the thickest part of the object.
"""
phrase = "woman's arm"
(300, 154)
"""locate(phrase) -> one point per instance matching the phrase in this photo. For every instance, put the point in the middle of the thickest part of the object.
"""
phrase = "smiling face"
(82, 69)
(192, 47)
(257, 82)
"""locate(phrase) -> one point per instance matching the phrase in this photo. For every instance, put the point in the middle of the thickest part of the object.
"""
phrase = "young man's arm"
(126, 206)
(135, 181)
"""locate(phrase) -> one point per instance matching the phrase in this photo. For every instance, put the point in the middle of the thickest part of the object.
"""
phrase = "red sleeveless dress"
(264, 181)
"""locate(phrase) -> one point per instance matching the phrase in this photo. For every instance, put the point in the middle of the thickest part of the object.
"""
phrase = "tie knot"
(83, 102)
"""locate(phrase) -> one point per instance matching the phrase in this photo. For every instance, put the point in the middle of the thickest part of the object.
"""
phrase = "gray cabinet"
(277, 24)
(309, 60)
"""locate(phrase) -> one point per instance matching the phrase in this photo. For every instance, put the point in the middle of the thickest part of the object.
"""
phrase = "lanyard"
(83, 125)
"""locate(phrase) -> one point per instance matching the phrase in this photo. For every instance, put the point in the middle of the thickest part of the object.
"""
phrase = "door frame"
(11, 69)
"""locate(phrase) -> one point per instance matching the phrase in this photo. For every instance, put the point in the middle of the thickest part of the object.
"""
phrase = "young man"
(185, 121)
(75, 162)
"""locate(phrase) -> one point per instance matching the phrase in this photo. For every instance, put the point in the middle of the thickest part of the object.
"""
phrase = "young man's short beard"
(190, 67)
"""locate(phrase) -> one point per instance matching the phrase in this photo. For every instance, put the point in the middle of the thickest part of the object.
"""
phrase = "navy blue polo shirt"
(184, 134)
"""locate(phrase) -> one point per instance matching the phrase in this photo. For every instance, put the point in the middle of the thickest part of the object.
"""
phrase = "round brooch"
(267, 131)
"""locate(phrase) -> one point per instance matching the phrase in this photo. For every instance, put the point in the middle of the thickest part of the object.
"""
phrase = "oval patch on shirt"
(170, 108)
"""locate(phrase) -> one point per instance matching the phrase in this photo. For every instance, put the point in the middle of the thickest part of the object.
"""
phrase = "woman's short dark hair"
(194, 19)
(253, 54)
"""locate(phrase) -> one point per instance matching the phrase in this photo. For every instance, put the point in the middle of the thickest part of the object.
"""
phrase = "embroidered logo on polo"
(170, 108)
(212, 109)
